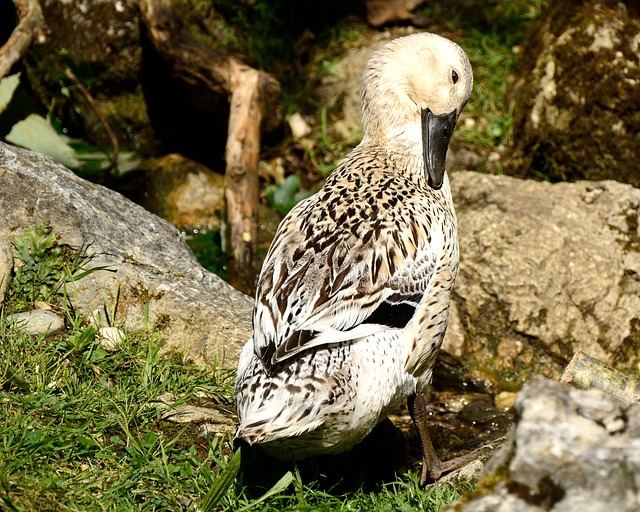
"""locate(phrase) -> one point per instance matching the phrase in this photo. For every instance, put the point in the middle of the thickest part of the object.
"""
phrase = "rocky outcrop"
(147, 272)
(570, 450)
(546, 270)
(576, 93)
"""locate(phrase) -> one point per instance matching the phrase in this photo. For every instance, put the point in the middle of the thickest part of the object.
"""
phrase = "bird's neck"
(399, 148)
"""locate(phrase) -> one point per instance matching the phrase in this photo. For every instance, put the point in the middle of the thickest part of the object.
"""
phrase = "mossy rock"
(576, 94)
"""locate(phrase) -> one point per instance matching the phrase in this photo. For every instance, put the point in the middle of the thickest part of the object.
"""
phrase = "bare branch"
(586, 372)
(254, 98)
(29, 25)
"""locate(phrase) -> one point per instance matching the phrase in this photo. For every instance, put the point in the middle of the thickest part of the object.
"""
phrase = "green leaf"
(8, 85)
(98, 354)
(36, 133)
(150, 439)
(286, 194)
(221, 484)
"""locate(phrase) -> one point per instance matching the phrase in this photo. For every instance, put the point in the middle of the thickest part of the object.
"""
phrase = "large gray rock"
(152, 275)
(570, 451)
(546, 270)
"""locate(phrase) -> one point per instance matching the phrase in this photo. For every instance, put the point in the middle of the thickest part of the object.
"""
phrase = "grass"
(80, 428)
(79, 431)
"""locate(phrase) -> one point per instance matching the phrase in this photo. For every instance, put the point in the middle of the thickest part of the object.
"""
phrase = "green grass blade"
(221, 484)
(280, 486)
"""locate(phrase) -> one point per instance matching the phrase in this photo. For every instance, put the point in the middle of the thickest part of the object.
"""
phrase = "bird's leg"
(432, 466)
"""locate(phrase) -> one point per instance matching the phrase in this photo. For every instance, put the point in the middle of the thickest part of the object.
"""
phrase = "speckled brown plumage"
(353, 298)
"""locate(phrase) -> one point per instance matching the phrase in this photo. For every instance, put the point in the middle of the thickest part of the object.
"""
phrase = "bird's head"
(413, 91)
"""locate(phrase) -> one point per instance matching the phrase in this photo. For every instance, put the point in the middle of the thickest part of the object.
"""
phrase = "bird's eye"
(454, 76)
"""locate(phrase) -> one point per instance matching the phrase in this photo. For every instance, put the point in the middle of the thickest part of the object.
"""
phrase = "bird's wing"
(327, 282)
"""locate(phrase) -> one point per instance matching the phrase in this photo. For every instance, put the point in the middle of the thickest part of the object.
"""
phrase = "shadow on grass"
(377, 460)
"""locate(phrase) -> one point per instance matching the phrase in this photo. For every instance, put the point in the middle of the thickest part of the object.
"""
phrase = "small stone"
(299, 127)
(110, 337)
(37, 322)
(504, 400)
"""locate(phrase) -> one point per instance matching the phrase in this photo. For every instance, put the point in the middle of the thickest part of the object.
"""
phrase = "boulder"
(576, 94)
(182, 191)
(545, 270)
(146, 272)
(570, 450)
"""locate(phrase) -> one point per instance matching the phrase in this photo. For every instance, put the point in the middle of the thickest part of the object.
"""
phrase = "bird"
(353, 298)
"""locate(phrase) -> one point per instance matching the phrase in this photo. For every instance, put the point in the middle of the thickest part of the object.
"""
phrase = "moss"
(127, 113)
(162, 322)
(588, 126)
(627, 354)
(489, 332)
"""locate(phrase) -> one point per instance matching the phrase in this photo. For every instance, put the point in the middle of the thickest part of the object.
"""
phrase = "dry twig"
(94, 106)
(29, 25)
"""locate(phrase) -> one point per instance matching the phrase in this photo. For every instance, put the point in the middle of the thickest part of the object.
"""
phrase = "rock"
(6, 266)
(571, 450)
(110, 337)
(339, 89)
(545, 270)
(37, 322)
(504, 400)
(298, 126)
(382, 12)
(184, 192)
(215, 422)
(150, 276)
(576, 91)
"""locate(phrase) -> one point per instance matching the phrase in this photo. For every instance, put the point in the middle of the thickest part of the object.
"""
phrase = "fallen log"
(586, 372)
(254, 98)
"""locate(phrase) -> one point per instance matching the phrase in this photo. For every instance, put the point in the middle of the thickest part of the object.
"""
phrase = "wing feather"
(327, 281)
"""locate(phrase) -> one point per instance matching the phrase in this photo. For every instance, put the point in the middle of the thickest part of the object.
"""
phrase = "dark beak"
(436, 134)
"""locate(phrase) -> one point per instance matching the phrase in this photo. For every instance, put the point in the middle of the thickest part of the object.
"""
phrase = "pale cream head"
(407, 75)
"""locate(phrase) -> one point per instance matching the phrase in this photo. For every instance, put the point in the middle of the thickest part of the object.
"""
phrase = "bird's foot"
(433, 468)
